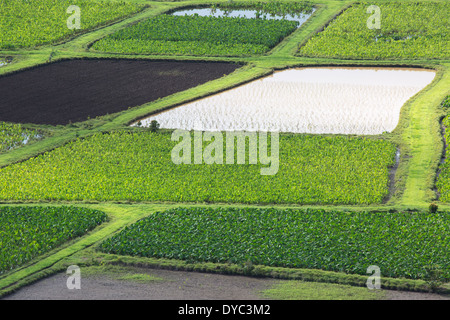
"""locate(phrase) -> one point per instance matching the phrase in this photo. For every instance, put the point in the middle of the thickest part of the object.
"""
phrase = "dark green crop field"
(402, 244)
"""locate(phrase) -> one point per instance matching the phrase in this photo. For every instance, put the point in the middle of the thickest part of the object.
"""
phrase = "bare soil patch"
(75, 90)
(168, 285)
(175, 285)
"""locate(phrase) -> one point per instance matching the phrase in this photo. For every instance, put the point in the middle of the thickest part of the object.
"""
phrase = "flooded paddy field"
(243, 13)
(75, 90)
(5, 61)
(306, 100)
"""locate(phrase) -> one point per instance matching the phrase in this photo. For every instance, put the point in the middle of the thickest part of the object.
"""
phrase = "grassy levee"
(325, 12)
(422, 136)
(81, 43)
(240, 76)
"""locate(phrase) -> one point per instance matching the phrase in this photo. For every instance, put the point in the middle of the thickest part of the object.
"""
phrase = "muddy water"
(206, 12)
(306, 100)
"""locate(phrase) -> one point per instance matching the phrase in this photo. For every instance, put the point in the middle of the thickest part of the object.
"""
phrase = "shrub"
(154, 126)
(433, 208)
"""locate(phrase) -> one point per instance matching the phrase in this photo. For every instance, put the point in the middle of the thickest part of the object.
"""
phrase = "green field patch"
(196, 35)
(30, 23)
(138, 166)
(27, 232)
(407, 30)
(401, 244)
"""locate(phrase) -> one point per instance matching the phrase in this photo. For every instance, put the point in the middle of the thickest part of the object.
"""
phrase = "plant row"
(14, 135)
(443, 179)
(274, 8)
(138, 166)
(28, 232)
(27, 23)
(401, 244)
(406, 30)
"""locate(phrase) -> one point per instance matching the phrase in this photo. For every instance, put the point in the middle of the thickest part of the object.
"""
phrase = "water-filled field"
(307, 100)
(243, 13)
(308, 238)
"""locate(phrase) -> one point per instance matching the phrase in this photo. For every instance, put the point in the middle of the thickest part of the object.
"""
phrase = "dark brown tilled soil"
(74, 90)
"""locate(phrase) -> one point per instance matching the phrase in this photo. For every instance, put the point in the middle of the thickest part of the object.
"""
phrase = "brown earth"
(75, 90)
(171, 285)
(174, 285)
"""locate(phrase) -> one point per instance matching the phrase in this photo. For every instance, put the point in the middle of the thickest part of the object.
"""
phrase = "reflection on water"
(306, 100)
(206, 12)
(5, 61)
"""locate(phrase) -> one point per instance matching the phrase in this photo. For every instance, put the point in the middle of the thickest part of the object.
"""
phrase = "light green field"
(124, 166)
(403, 33)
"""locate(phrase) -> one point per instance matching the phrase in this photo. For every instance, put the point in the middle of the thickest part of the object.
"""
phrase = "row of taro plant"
(401, 244)
(272, 8)
(27, 232)
(407, 30)
(27, 23)
(443, 180)
(138, 166)
(196, 35)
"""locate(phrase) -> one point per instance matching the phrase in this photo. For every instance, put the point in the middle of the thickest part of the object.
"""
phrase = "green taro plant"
(137, 166)
(28, 232)
(196, 35)
(405, 33)
(401, 244)
(27, 23)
